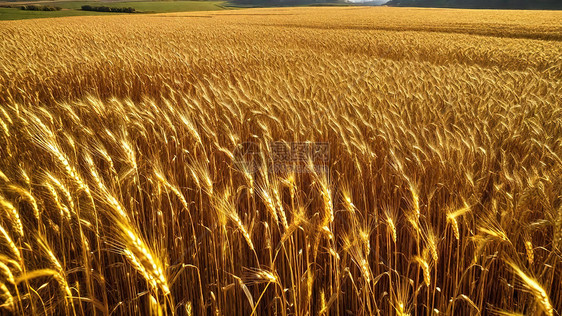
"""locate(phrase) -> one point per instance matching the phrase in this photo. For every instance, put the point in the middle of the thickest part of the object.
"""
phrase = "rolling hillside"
(481, 4)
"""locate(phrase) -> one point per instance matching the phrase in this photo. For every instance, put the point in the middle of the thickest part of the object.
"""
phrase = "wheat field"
(140, 155)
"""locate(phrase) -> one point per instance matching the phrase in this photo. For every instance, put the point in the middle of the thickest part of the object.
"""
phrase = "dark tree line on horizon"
(108, 9)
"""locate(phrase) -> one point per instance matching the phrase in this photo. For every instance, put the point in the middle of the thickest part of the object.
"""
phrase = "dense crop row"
(126, 184)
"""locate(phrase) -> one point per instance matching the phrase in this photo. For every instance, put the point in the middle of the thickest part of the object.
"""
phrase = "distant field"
(149, 6)
(17, 14)
(282, 162)
(72, 8)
